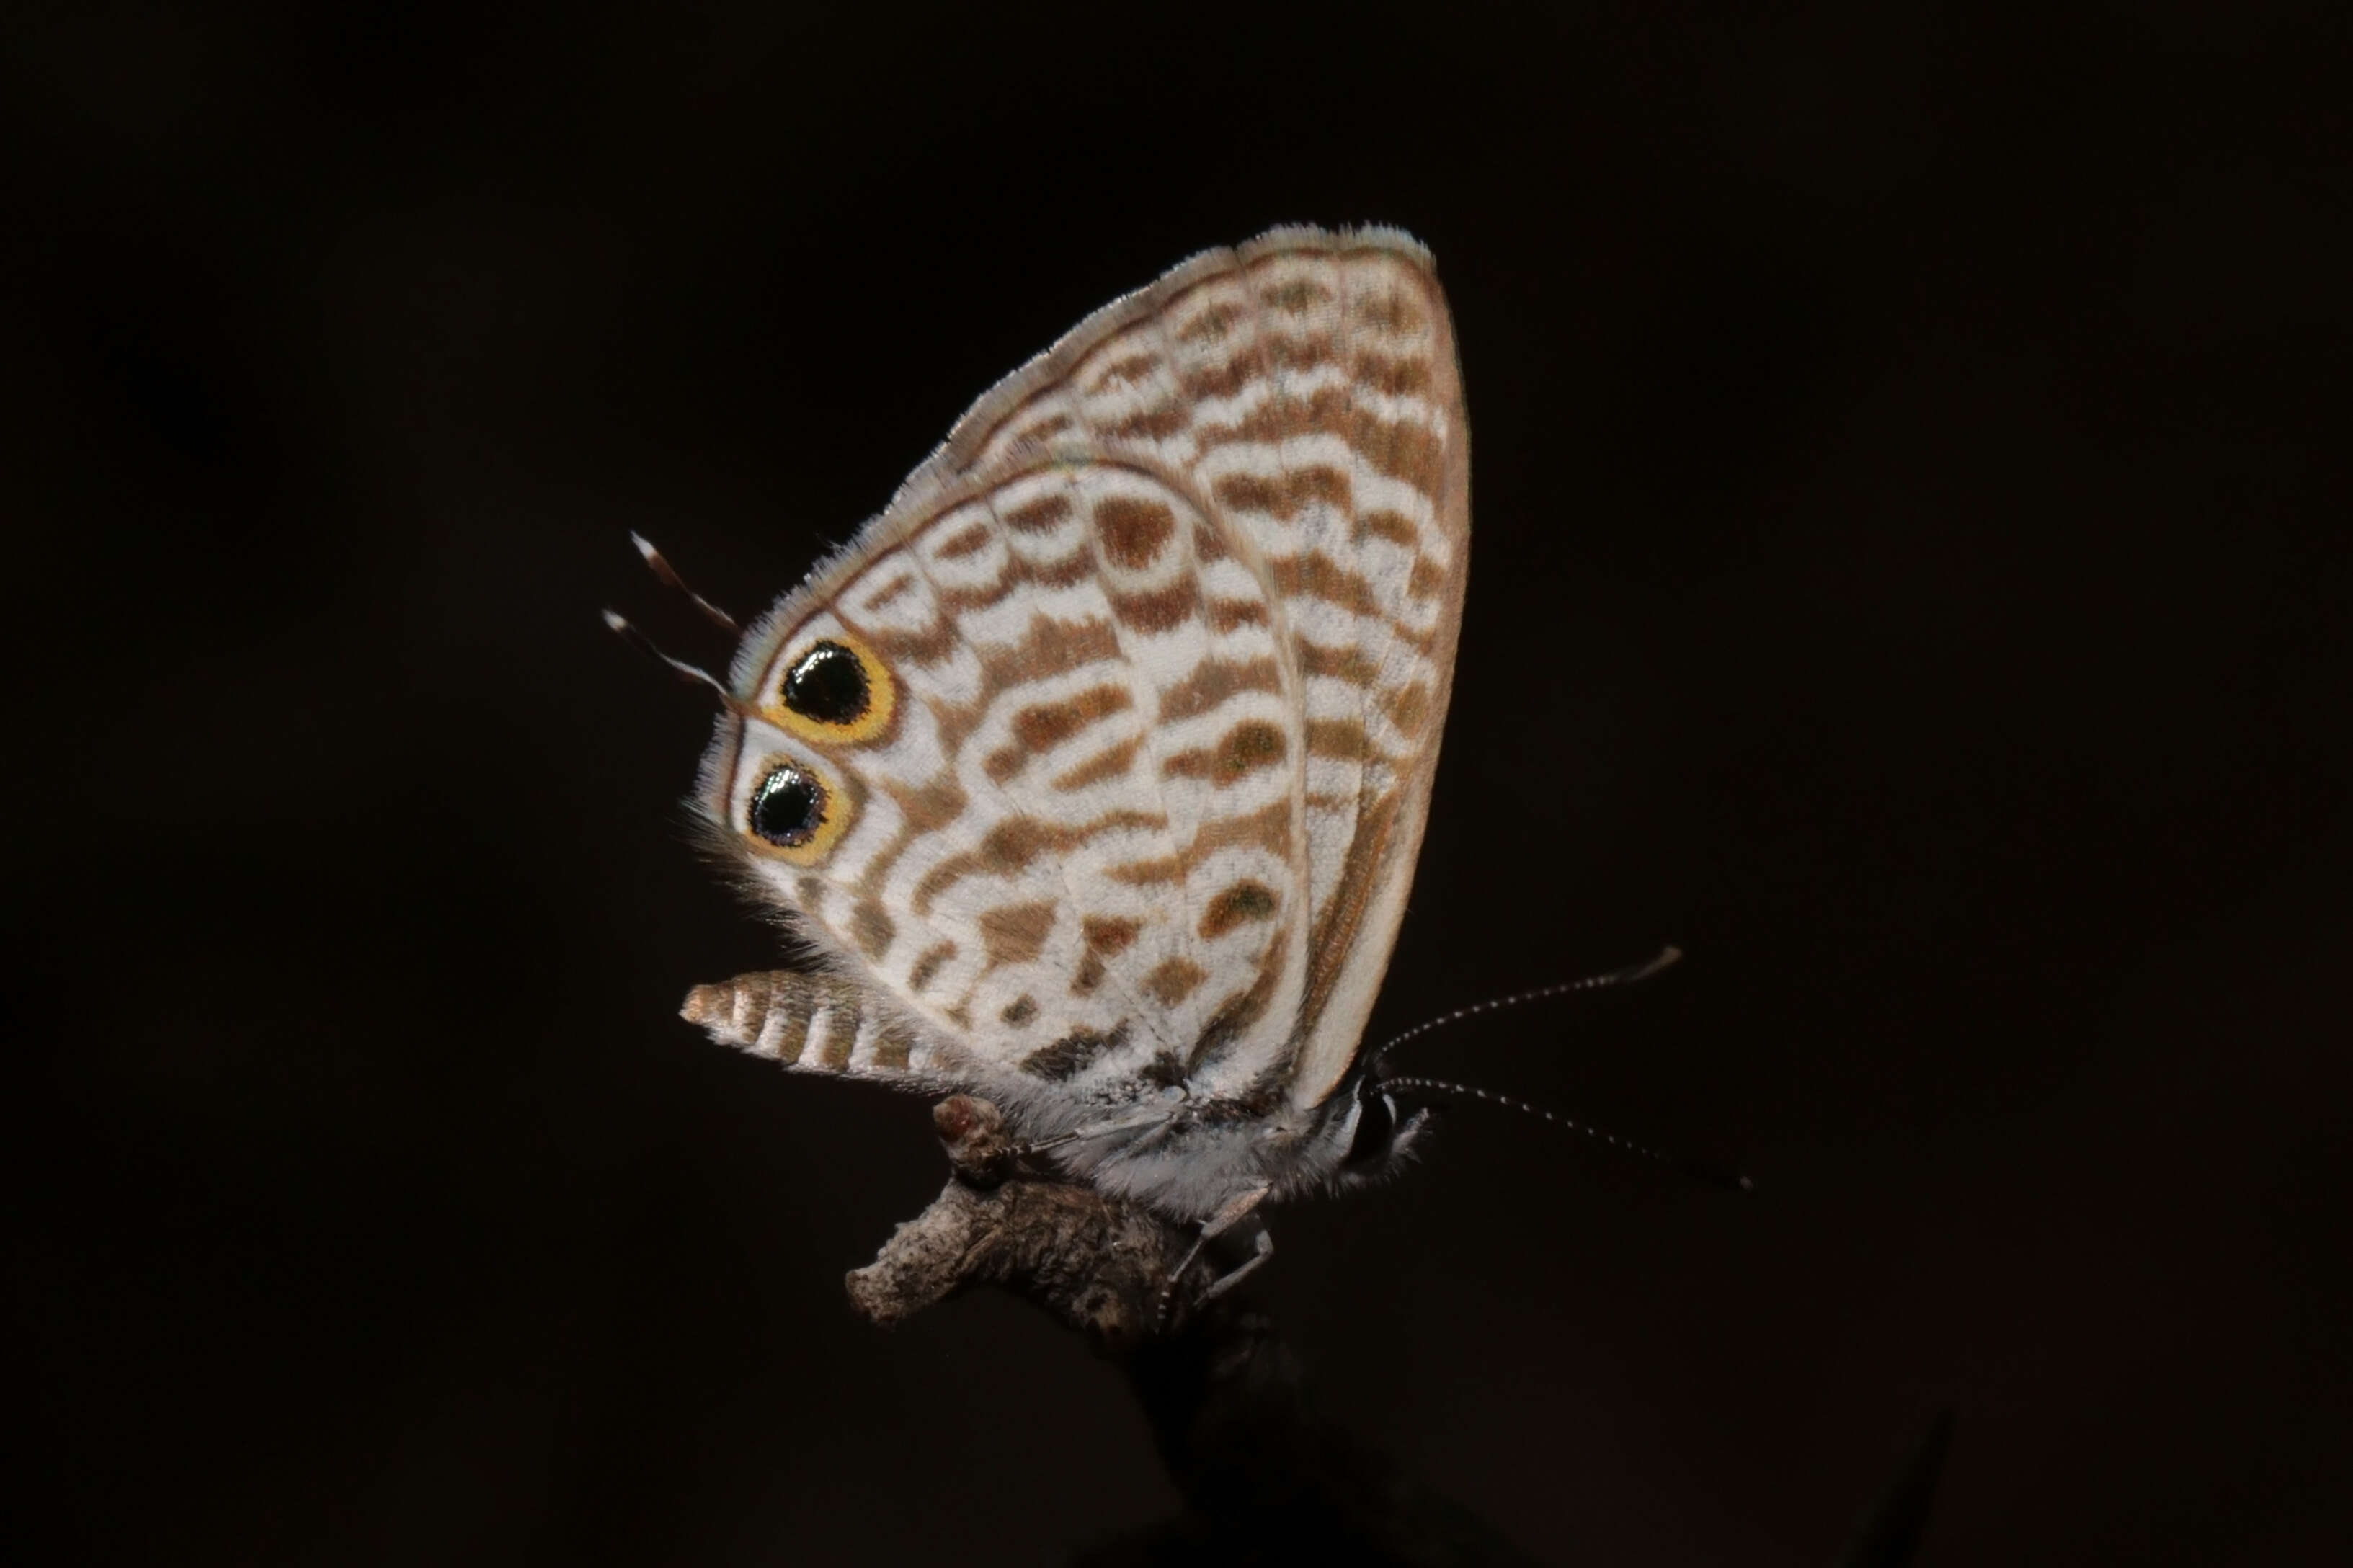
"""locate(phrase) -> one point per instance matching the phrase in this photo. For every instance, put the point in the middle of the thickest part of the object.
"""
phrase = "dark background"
(1910, 573)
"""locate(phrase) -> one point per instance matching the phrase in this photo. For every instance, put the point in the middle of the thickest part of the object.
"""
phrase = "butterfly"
(1094, 769)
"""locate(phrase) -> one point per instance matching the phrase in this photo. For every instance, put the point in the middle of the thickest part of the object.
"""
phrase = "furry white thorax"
(1187, 1155)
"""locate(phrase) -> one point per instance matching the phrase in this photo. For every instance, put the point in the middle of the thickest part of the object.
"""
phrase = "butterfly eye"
(1376, 1123)
(835, 692)
(788, 807)
(828, 684)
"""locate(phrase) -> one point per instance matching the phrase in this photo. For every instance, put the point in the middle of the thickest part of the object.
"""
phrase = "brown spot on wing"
(1135, 530)
(1426, 578)
(1267, 828)
(1211, 324)
(927, 966)
(965, 542)
(1224, 380)
(1042, 726)
(1131, 369)
(1297, 296)
(1111, 763)
(1225, 615)
(1109, 934)
(1012, 844)
(1391, 312)
(1240, 752)
(1349, 664)
(1213, 681)
(1246, 900)
(1073, 1054)
(1044, 430)
(881, 597)
(1298, 353)
(1284, 498)
(924, 645)
(967, 598)
(1407, 709)
(1019, 1011)
(1316, 575)
(1051, 647)
(872, 928)
(1016, 933)
(1156, 423)
(1162, 612)
(1173, 979)
(1395, 527)
(1399, 448)
(1076, 567)
(1342, 738)
(1040, 516)
(1396, 377)
(1145, 873)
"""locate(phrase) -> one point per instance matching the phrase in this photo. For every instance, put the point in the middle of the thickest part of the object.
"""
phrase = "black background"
(1910, 573)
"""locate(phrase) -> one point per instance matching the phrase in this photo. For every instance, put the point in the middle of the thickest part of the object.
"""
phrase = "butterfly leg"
(1262, 1249)
(1237, 1209)
(1152, 1117)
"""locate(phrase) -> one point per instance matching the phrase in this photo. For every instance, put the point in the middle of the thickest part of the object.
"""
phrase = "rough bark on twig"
(1097, 1264)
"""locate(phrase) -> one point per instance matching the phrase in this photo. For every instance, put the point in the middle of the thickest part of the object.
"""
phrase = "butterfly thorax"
(1187, 1155)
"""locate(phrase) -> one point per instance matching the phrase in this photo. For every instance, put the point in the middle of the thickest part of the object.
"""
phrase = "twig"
(1263, 1478)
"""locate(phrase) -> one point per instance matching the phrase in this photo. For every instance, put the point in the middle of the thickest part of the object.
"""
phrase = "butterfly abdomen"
(813, 1022)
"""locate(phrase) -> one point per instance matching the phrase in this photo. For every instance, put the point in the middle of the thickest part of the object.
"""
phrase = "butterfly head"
(1376, 1135)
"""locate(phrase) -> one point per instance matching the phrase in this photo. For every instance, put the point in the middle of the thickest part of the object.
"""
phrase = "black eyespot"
(788, 808)
(1376, 1123)
(828, 684)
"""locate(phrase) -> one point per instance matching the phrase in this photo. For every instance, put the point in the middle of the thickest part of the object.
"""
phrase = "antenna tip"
(613, 623)
(645, 546)
(1669, 956)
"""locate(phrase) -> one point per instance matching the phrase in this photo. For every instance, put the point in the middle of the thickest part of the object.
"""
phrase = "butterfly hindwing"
(1072, 853)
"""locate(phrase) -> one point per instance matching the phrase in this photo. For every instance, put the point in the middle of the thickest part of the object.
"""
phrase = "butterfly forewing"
(1160, 644)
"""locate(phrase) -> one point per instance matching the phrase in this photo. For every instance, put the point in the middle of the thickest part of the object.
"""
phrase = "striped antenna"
(638, 640)
(661, 568)
(1667, 955)
(1700, 1170)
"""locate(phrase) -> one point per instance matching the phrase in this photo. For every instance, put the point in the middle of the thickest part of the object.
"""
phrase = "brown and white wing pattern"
(1116, 731)
(1071, 845)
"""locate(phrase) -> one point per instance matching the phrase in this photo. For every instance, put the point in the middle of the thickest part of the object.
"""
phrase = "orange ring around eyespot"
(882, 697)
(839, 812)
